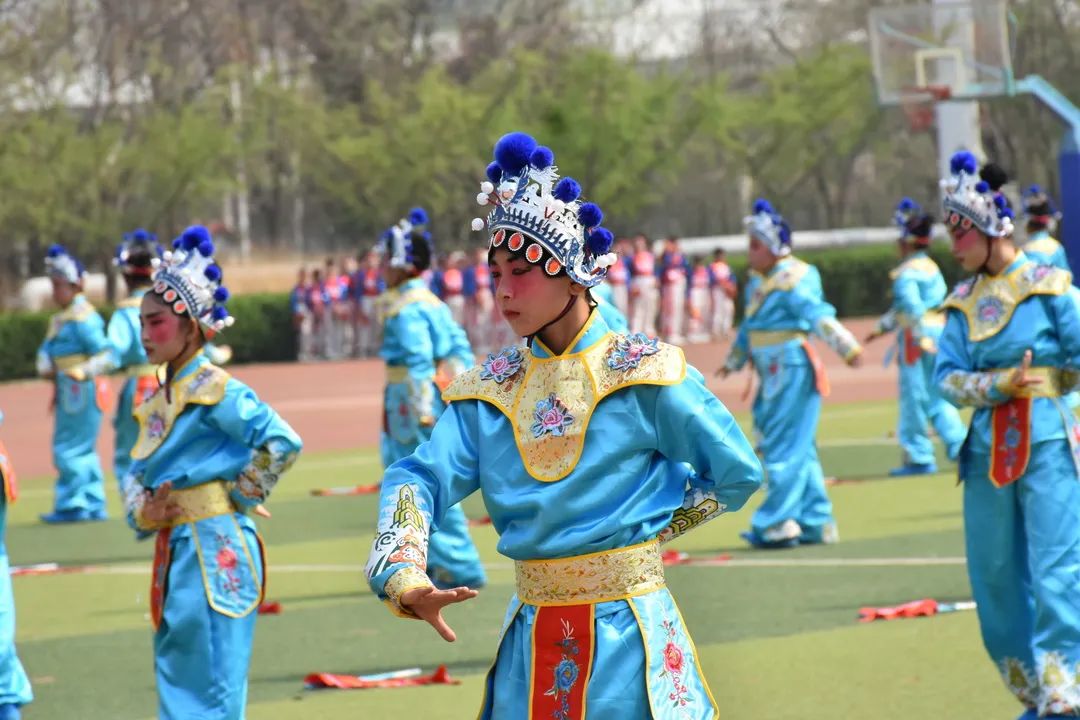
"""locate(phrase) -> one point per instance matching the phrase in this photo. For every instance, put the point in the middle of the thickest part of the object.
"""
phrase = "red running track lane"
(338, 405)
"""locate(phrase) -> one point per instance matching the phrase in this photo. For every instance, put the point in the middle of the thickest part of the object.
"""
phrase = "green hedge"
(262, 333)
(856, 281)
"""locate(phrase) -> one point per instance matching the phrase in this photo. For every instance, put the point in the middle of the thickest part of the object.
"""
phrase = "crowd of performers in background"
(336, 308)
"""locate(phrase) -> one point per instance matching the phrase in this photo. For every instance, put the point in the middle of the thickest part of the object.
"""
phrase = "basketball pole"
(958, 125)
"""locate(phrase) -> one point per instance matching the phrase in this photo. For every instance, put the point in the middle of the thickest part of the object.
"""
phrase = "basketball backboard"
(962, 46)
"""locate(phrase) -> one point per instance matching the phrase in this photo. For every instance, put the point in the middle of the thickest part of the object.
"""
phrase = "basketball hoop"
(918, 104)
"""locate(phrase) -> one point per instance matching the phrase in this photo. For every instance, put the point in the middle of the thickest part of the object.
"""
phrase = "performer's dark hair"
(421, 250)
(994, 175)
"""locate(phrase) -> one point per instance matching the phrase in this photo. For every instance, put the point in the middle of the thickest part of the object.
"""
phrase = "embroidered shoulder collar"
(1045, 245)
(156, 416)
(919, 263)
(988, 302)
(549, 401)
(130, 302)
(77, 311)
(785, 278)
(400, 300)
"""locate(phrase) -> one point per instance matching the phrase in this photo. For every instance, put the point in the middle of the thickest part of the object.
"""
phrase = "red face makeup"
(162, 335)
(526, 296)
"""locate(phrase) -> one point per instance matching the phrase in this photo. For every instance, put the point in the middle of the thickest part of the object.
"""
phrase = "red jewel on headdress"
(159, 286)
(180, 307)
(170, 295)
(552, 267)
(533, 253)
(954, 219)
(516, 241)
(965, 223)
(498, 237)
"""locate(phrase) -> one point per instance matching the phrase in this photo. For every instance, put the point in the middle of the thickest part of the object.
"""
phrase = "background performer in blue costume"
(424, 350)
(75, 356)
(784, 305)
(15, 690)
(918, 288)
(577, 443)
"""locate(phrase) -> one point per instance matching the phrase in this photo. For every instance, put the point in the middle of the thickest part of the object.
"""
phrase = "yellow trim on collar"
(578, 381)
(988, 301)
(156, 416)
(786, 278)
(921, 264)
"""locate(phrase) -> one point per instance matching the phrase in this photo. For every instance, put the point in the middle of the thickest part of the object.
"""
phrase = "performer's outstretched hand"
(427, 604)
(1019, 378)
(261, 511)
(855, 360)
(872, 336)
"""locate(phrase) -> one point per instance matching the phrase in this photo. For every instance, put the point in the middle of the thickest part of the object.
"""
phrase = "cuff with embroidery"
(838, 337)
(101, 364)
(44, 364)
(886, 323)
(422, 397)
(977, 389)
(699, 507)
(405, 579)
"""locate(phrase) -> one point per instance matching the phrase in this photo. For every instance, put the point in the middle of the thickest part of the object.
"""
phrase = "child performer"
(15, 690)
(424, 349)
(208, 452)
(75, 356)
(1041, 217)
(917, 290)
(1010, 349)
(578, 443)
(784, 304)
(137, 257)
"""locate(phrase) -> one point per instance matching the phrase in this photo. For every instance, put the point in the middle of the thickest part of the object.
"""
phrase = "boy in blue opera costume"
(918, 289)
(207, 453)
(1011, 350)
(784, 305)
(579, 443)
(1041, 217)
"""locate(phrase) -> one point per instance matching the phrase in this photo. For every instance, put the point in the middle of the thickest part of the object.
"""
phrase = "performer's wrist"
(407, 578)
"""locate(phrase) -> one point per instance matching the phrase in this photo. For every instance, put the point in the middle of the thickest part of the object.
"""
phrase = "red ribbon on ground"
(473, 522)
(385, 680)
(353, 490)
(270, 608)
(916, 608)
(50, 569)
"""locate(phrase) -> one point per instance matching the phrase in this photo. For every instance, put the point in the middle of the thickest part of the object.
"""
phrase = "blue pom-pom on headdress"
(999, 200)
(221, 294)
(140, 235)
(178, 243)
(762, 205)
(194, 236)
(494, 172)
(213, 273)
(963, 161)
(1007, 213)
(590, 215)
(513, 151)
(219, 313)
(566, 190)
(1033, 191)
(600, 241)
(982, 186)
(541, 157)
(206, 248)
(418, 216)
(55, 250)
(907, 204)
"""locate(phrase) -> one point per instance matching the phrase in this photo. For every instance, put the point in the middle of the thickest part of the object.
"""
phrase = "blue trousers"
(202, 654)
(14, 684)
(1023, 549)
(80, 484)
(922, 406)
(786, 413)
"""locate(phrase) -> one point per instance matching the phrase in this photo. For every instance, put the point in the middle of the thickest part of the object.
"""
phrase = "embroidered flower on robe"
(501, 366)
(629, 350)
(551, 417)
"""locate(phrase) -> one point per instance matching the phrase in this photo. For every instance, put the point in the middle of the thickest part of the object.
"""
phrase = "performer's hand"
(872, 336)
(261, 511)
(427, 604)
(855, 360)
(76, 373)
(160, 509)
(1019, 378)
(427, 421)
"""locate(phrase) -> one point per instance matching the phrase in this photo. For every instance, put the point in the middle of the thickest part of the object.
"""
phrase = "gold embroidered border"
(593, 578)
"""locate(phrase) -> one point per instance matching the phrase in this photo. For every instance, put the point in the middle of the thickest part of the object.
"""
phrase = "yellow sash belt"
(202, 501)
(593, 578)
(66, 362)
(765, 338)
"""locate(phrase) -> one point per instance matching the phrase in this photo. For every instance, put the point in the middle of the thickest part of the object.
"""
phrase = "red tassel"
(403, 678)
(916, 608)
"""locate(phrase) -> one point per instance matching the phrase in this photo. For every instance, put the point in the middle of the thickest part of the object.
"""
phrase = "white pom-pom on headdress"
(477, 224)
